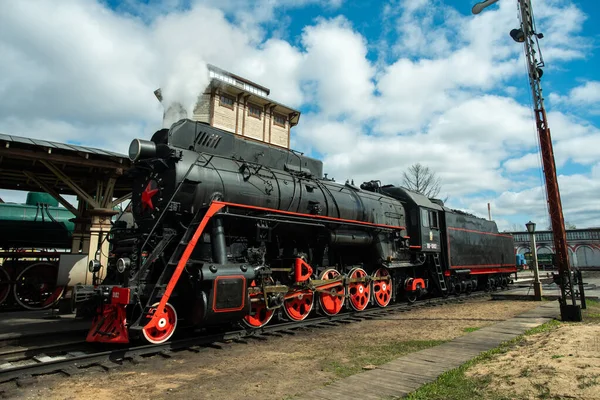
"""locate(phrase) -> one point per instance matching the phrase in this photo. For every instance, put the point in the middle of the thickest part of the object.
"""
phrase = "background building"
(583, 244)
(237, 105)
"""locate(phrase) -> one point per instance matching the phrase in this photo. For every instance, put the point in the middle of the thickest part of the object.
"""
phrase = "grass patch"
(525, 372)
(470, 329)
(587, 381)
(454, 384)
(548, 326)
(592, 313)
(376, 354)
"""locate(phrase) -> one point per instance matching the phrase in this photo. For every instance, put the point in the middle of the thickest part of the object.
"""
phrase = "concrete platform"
(22, 324)
(522, 289)
(406, 374)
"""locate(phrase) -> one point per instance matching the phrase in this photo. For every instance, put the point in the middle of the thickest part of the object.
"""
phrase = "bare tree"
(421, 179)
(517, 228)
(568, 226)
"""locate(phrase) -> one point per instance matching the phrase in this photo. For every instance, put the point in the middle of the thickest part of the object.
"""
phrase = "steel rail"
(75, 362)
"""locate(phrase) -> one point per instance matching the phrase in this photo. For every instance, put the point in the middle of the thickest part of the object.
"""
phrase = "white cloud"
(596, 171)
(578, 196)
(323, 135)
(561, 22)
(78, 71)
(573, 139)
(530, 160)
(583, 149)
(71, 61)
(336, 61)
(587, 94)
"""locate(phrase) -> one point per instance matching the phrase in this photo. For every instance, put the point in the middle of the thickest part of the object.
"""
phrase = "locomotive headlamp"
(94, 266)
(123, 264)
(139, 149)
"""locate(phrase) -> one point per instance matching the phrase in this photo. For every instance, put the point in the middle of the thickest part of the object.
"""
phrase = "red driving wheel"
(332, 300)
(359, 293)
(382, 289)
(165, 327)
(259, 315)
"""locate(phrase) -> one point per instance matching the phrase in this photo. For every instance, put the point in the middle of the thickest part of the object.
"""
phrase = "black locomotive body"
(229, 230)
(474, 254)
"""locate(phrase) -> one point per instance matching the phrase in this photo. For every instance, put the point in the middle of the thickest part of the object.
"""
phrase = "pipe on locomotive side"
(349, 237)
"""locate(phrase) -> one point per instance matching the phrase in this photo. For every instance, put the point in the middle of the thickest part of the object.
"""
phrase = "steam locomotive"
(32, 238)
(229, 230)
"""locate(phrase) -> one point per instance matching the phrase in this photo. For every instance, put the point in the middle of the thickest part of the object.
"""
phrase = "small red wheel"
(298, 304)
(259, 315)
(359, 292)
(332, 300)
(382, 290)
(165, 327)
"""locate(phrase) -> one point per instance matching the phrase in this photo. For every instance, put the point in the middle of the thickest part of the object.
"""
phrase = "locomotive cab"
(424, 221)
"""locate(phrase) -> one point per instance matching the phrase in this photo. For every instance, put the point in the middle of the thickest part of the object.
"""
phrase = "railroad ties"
(21, 365)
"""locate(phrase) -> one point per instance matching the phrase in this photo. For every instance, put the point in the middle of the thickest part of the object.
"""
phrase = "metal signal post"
(527, 35)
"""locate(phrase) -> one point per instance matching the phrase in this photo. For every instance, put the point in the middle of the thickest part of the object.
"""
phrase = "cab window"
(425, 218)
(433, 220)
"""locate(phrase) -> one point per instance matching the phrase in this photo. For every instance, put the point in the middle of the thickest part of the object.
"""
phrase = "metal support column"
(537, 285)
(527, 35)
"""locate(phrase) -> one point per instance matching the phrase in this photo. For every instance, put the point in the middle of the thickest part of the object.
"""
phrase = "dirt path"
(564, 363)
(281, 366)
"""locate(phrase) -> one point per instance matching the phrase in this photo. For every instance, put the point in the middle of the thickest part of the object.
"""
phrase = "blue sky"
(381, 85)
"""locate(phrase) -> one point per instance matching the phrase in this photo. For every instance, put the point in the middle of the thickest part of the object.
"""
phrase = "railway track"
(20, 364)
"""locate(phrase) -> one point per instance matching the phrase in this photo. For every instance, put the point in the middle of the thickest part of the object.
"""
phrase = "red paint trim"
(111, 320)
(448, 242)
(298, 275)
(212, 210)
(214, 306)
(482, 233)
(414, 247)
(487, 269)
(411, 285)
(479, 266)
(224, 203)
(119, 296)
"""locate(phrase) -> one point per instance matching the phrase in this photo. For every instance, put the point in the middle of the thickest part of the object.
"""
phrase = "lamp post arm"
(477, 8)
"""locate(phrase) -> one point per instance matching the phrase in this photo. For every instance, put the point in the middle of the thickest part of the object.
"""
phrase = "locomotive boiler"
(229, 230)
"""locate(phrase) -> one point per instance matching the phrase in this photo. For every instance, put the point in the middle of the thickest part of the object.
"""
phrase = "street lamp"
(537, 286)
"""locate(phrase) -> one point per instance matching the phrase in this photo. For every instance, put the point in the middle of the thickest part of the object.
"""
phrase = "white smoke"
(184, 82)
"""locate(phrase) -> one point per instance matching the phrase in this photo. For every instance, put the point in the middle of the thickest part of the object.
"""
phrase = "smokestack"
(158, 94)
(174, 111)
(489, 212)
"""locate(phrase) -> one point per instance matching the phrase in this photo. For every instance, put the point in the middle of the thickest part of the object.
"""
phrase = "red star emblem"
(147, 195)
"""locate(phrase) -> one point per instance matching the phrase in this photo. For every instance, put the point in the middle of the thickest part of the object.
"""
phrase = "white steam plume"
(185, 81)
